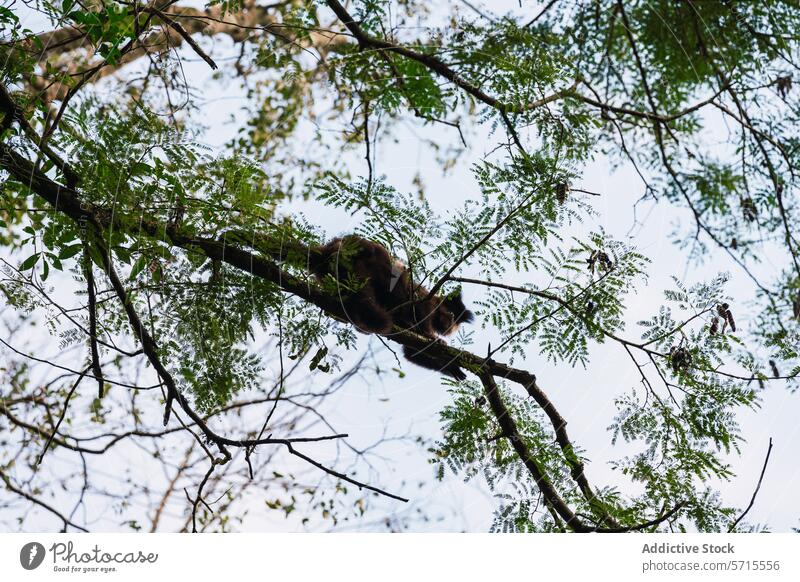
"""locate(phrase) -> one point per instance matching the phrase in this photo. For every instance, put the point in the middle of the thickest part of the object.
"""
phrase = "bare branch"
(755, 493)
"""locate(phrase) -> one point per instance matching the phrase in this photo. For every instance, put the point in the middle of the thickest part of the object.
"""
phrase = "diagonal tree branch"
(185, 36)
(510, 431)
(755, 493)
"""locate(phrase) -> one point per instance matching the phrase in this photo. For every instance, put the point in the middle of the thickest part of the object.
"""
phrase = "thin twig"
(61, 416)
(41, 504)
(185, 35)
(755, 493)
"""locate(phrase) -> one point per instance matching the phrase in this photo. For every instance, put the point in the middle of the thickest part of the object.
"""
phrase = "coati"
(378, 292)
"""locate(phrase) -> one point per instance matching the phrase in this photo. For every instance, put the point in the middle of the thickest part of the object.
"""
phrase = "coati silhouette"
(377, 293)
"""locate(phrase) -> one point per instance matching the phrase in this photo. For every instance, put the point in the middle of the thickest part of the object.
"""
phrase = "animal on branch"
(378, 292)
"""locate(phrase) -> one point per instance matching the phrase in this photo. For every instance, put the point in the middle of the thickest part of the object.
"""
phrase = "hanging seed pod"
(783, 85)
(749, 209)
(724, 311)
(679, 358)
(592, 260)
(606, 264)
(562, 190)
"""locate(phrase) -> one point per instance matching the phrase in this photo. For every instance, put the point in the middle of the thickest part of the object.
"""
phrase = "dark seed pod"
(749, 209)
(592, 260)
(730, 321)
(562, 189)
(783, 85)
(606, 263)
(680, 358)
(727, 317)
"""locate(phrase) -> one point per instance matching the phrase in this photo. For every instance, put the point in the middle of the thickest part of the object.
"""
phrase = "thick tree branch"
(92, 307)
(67, 49)
(509, 430)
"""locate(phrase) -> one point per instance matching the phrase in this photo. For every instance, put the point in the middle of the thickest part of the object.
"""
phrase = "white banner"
(418, 557)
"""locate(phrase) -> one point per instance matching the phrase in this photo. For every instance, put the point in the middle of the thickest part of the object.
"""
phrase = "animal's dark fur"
(377, 292)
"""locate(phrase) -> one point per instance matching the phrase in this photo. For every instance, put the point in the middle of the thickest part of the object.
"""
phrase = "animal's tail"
(425, 359)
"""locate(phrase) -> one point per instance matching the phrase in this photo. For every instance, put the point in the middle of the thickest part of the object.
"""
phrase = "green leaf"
(138, 267)
(70, 251)
(28, 263)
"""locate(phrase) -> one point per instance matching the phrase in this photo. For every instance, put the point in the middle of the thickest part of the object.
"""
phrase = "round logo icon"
(31, 555)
